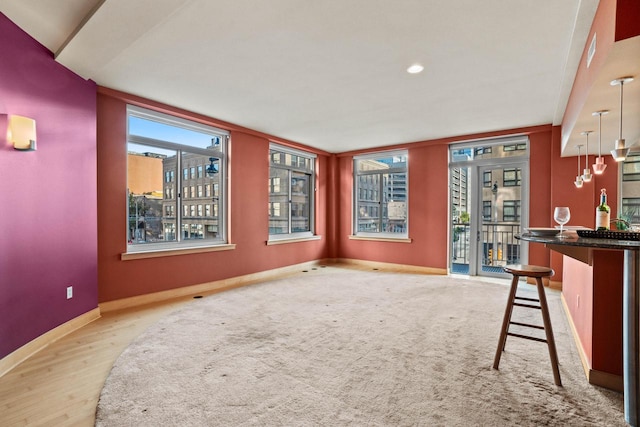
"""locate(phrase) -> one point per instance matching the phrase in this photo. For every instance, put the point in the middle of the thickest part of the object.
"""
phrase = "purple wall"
(48, 214)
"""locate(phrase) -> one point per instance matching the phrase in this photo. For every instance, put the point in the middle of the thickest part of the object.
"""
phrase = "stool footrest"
(527, 337)
(527, 325)
(527, 299)
(519, 304)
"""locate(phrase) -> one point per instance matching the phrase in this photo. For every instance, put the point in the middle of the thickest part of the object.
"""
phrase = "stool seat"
(537, 272)
(528, 270)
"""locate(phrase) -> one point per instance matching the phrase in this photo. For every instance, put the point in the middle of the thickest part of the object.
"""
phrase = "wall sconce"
(586, 173)
(599, 166)
(22, 133)
(578, 181)
(621, 151)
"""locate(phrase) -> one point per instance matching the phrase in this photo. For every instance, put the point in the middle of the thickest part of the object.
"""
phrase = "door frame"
(475, 168)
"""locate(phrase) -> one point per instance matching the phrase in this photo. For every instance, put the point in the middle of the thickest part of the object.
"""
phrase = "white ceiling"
(328, 73)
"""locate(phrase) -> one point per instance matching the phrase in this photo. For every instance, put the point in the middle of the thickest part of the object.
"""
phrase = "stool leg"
(505, 321)
(548, 331)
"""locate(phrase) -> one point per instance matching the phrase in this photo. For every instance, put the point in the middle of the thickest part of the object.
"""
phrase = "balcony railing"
(499, 246)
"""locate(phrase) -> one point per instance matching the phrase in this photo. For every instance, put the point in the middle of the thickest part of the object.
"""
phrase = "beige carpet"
(336, 346)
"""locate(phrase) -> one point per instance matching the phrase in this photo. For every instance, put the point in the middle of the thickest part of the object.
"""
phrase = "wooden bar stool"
(538, 273)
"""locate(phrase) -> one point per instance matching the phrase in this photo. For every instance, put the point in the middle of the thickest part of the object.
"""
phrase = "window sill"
(382, 239)
(172, 252)
(292, 240)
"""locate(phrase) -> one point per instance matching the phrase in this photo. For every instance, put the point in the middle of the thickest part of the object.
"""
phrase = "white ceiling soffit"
(49, 22)
(332, 73)
(623, 60)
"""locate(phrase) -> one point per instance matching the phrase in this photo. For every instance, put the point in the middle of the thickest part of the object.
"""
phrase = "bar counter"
(581, 248)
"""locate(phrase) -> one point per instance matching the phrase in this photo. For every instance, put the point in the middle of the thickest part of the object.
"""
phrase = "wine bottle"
(602, 212)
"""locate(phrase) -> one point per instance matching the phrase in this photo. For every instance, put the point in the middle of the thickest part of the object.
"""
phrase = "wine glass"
(561, 215)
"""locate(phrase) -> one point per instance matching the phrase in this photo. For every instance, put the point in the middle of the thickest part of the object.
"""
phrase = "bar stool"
(538, 273)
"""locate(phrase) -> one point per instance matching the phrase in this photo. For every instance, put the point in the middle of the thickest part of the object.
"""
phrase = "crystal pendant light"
(578, 181)
(586, 173)
(599, 166)
(621, 151)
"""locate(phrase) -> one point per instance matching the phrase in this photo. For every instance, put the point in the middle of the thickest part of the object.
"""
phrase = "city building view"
(381, 194)
(291, 177)
(499, 206)
(160, 204)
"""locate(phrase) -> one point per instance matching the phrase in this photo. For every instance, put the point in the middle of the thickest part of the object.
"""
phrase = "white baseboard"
(404, 268)
(208, 287)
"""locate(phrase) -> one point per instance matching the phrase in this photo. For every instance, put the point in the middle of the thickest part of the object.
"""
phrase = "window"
(511, 210)
(159, 147)
(486, 210)
(486, 179)
(631, 168)
(479, 151)
(291, 190)
(629, 210)
(514, 147)
(512, 177)
(381, 194)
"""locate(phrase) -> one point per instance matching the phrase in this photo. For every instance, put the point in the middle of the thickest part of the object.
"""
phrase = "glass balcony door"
(489, 205)
(499, 212)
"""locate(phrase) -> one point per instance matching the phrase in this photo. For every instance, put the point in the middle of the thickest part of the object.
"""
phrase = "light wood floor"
(61, 384)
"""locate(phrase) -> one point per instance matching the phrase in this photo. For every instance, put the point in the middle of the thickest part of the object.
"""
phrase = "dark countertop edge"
(633, 245)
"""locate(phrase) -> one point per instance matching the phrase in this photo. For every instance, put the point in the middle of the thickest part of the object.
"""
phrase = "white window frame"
(383, 234)
(219, 152)
(312, 192)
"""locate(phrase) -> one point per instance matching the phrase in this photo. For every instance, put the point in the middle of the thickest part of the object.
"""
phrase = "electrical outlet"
(578, 301)
(69, 292)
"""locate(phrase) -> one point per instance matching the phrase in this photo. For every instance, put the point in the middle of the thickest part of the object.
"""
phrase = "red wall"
(249, 153)
(607, 311)
(428, 201)
(593, 294)
(578, 295)
(428, 224)
(540, 171)
(47, 197)
(627, 19)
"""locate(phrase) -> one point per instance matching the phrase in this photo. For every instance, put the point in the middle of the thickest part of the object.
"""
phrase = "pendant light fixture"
(578, 181)
(599, 166)
(586, 173)
(621, 151)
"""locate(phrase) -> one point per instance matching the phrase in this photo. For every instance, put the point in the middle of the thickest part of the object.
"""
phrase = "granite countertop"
(572, 239)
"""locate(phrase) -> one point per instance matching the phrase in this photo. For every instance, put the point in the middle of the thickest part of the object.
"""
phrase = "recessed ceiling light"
(415, 69)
